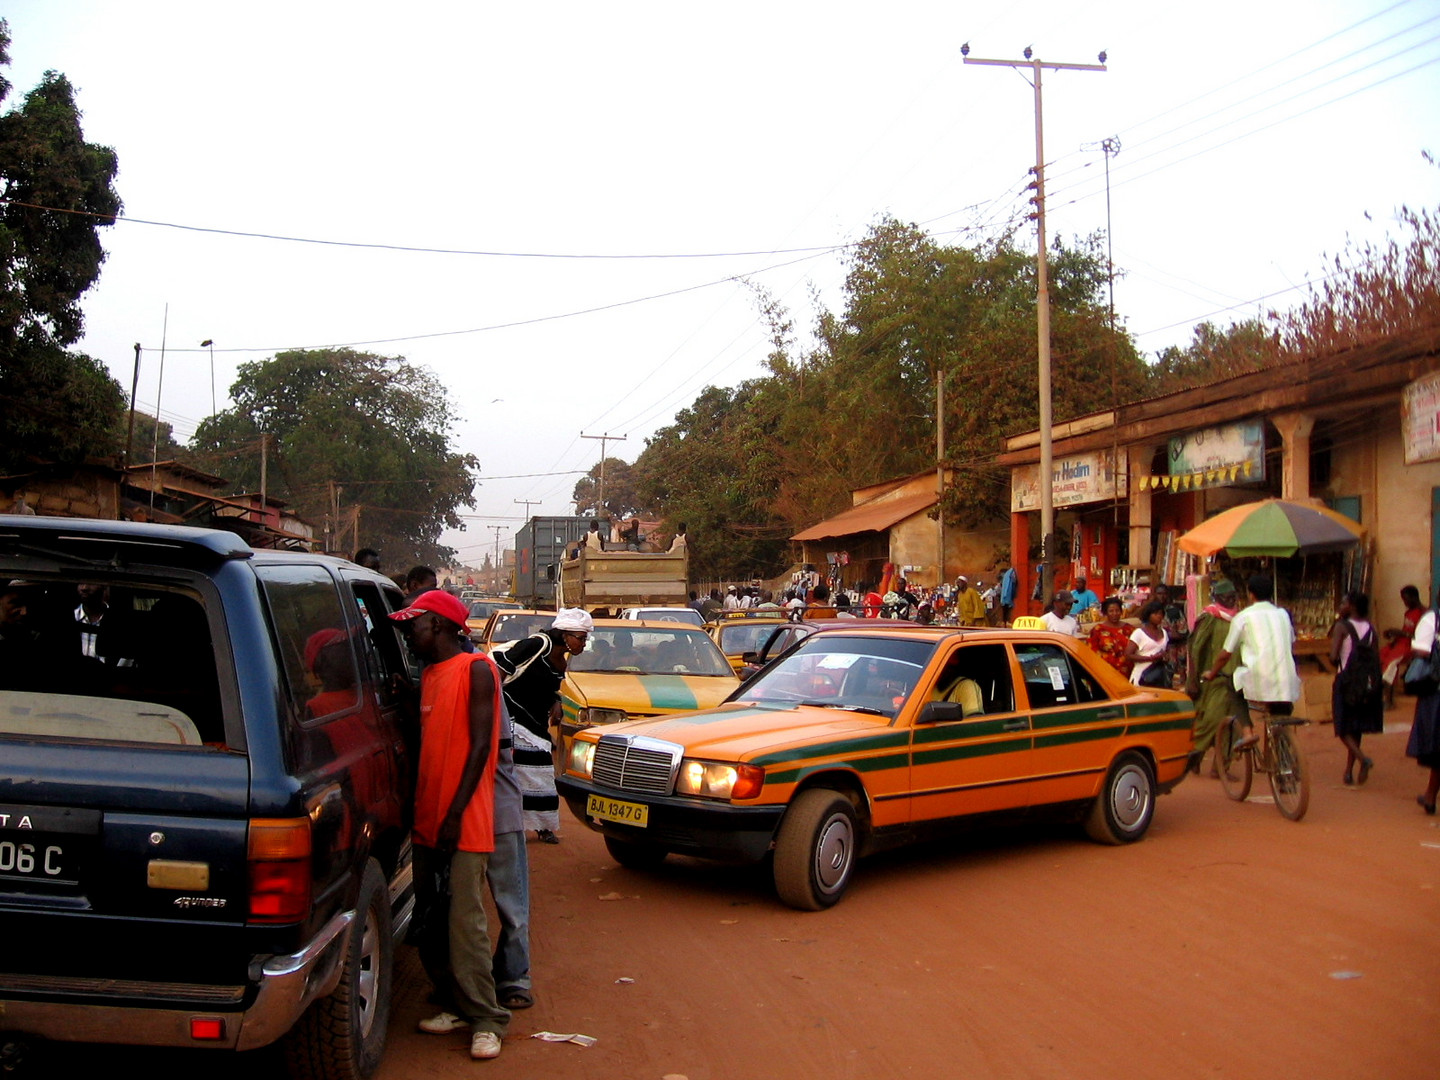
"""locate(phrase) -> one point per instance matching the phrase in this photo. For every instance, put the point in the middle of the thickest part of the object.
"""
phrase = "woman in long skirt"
(1424, 744)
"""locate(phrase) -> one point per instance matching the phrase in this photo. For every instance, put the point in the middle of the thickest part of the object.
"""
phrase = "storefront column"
(1141, 539)
(1295, 429)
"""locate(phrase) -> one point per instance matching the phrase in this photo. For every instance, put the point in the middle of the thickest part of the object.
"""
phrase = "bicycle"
(1282, 761)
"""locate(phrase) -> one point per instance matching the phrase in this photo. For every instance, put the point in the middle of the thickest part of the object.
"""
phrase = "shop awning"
(868, 517)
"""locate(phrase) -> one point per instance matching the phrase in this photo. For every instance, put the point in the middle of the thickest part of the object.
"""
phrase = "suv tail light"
(279, 856)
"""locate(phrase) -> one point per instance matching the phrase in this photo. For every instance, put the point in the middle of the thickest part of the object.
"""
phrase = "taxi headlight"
(582, 757)
(718, 781)
(590, 717)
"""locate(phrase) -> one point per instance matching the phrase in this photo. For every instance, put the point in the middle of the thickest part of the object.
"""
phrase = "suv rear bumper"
(287, 986)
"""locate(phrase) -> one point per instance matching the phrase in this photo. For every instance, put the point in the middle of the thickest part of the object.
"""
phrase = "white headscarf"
(575, 619)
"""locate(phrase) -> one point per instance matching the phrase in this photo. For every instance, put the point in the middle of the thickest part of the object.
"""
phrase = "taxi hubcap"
(833, 852)
(1131, 800)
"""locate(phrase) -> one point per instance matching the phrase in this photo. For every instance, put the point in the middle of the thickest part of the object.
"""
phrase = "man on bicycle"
(1264, 639)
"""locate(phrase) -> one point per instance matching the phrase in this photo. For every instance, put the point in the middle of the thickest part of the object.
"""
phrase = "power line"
(370, 245)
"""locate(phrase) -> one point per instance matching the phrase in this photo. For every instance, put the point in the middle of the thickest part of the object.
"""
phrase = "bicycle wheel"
(1236, 770)
(1289, 780)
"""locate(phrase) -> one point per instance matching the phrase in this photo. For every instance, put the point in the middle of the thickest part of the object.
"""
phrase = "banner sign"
(1420, 419)
(1084, 478)
(1218, 449)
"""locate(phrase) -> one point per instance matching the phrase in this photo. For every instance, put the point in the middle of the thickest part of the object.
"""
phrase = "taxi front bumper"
(708, 828)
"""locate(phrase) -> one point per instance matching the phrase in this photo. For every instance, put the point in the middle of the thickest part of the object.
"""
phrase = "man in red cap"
(455, 813)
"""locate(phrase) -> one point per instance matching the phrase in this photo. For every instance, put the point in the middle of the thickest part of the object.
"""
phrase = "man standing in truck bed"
(455, 811)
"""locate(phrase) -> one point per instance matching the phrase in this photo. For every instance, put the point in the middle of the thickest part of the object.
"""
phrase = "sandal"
(547, 837)
(517, 999)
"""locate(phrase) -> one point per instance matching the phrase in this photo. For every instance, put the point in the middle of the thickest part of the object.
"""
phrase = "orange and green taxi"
(630, 670)
(866, 737)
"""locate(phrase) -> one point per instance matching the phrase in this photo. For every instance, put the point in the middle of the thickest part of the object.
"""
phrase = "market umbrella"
(1273, 527)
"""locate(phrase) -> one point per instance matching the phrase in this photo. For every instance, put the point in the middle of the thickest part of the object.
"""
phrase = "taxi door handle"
(1110, 714)
(1016, 725)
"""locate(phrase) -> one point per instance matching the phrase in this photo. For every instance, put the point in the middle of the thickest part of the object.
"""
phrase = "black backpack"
(1360, 678)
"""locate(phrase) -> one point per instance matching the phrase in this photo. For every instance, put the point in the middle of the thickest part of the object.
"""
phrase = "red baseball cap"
(441, 603)
(321, 639)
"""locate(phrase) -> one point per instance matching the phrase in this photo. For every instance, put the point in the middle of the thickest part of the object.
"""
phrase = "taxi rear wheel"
(1126, 804)
(815, 850)
(634, 856)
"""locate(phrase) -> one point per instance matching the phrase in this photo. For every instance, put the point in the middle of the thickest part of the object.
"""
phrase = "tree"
(863, 400)
(621, 500)
(150, 445)
(372, 432)
(716, 469)
(58, 192)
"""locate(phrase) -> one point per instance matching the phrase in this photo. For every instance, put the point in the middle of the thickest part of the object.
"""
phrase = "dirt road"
(1229, 943)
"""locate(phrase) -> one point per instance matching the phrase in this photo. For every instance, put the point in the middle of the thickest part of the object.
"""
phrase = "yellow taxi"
(869, 736)
(630, 670)
(509, 625)
(480, 608)
(737, 632)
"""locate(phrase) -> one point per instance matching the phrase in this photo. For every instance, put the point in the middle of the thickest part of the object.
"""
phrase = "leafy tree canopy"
(715, 470)
(58, 192)
(621, 500)
(375, 427)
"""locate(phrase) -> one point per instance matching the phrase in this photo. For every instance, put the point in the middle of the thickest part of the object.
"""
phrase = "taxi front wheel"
(1122, 811)
(815, 850)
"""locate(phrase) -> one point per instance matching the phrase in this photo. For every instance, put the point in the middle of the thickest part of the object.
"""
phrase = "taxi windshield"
(651, 650)
(865, 673)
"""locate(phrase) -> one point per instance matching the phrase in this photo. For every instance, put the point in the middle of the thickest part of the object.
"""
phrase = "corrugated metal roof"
(868, 517)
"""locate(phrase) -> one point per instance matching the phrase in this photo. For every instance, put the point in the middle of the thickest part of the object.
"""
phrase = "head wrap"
(574, 619)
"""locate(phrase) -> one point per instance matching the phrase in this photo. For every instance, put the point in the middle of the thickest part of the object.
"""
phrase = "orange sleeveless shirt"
(444, 747)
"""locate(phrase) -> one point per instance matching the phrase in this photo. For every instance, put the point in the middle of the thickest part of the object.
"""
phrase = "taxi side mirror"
(940, 712)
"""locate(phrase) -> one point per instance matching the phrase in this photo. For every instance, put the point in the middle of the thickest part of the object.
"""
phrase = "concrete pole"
(1042, 306)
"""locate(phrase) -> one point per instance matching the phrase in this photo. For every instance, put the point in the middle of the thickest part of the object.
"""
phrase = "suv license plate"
(35, 859)
(627, 813)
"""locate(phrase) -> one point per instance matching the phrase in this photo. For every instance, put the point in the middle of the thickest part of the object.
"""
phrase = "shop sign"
(1420, 419)
(1214, 457)
(1084, 478)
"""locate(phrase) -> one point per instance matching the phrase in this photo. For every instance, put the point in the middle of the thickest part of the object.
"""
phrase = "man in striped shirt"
(1262, 636)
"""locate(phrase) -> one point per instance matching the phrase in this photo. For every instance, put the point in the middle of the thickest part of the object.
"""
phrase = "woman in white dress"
(1148, 643)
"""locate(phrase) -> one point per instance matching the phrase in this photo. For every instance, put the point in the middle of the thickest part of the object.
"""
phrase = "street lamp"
(209, 343)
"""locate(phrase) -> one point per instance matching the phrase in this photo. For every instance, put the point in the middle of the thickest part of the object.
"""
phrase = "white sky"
(1255, 138)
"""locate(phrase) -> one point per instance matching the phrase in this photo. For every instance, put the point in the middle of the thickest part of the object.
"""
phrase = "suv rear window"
(83, 659)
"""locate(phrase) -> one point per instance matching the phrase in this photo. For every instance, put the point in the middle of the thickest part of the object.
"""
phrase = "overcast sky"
(602, 177)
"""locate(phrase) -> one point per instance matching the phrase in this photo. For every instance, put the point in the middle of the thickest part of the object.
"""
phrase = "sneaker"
(484, 1045)
(442, 1024)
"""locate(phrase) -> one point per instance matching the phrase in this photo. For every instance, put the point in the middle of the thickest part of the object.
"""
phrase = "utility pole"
(264, 469)
(607, 437)
(130, 433)
(495, 563)
(527, 503)
(940, 469)
(1042, 301)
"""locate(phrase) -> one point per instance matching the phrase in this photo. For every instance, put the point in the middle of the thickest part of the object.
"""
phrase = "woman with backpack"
(1357, 700)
